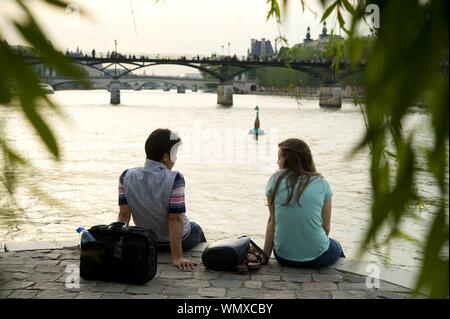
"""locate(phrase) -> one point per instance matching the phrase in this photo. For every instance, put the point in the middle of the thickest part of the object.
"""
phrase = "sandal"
(255, 258)
(242, 267)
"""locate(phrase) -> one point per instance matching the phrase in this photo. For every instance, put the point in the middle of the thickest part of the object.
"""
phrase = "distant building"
(91, 72)
(308, 39)
(321, 42)
(260, 49)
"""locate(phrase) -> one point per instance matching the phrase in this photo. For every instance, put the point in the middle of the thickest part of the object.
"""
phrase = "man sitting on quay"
(154, 196)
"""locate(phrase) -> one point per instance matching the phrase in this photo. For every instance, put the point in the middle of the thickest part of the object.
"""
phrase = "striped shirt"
(177, 204)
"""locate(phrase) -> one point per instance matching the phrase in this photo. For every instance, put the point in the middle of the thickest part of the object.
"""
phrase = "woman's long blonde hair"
(298, 164)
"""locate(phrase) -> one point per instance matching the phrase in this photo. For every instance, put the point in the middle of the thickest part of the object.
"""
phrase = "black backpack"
(120, 253)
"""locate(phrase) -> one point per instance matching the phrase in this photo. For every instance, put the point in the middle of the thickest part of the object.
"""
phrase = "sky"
(180, 27)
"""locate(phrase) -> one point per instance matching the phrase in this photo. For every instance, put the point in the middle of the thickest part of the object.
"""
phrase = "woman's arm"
(326, 217)
(270, 230)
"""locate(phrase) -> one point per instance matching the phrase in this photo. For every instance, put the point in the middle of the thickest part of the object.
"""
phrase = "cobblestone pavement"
(42, 274)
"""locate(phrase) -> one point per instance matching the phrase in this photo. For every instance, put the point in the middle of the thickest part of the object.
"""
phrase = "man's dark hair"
(159, 143)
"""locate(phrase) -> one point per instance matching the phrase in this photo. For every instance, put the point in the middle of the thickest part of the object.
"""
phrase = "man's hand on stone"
(184, 263)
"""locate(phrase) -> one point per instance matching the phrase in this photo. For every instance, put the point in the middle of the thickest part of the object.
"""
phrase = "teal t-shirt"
(299, 235)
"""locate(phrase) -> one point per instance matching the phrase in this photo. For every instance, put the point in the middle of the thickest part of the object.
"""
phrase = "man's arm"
(326, 217)
(176, 228)
(124, 209)
(124, 214)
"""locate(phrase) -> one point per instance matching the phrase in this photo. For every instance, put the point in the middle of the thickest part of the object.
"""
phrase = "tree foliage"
(19, 88)
(407, 60)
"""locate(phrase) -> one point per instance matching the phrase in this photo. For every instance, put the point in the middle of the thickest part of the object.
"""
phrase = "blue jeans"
(328, 258)
(195, 237)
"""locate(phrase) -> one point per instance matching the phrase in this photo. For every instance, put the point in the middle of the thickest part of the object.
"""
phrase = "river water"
(226, 170)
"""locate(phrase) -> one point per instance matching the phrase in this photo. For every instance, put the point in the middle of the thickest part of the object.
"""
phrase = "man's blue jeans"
(195, 237)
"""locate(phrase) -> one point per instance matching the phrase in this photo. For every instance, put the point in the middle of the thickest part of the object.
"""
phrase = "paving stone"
(161, 282)
(46, 256)
(222, 283)
(89, 295)
(206, 275)
(43, 277)
(176, 274)
(72, 256)
(253, 284)
(41, 274)
(328, 270)
(270, 269)
(83, 287)
(55, 269)
(14, 261)
(244, 293)
(24, 294)
(48, 286)
(11, 285)
(170, 291)
(110, 287)
(5, 293)
(352, 286)
(296, 277)
(266, 277)
(198, 297)
(274, 263)
(313, 295)
(347, 277)
(189, 283)
(237, 276)
(386, 295)
(17, 268)
(292, 270)
(212, 292)
(39, 263)
(350, 295)
(147, 289)
(21, 276)
(69, 262)
(111, 295)
(32, 245)
(12, 276)
(56, 294)
(149, 296)
(327, 277)
(281, 285)
(386, 286)
(278, 294)
(322, 286)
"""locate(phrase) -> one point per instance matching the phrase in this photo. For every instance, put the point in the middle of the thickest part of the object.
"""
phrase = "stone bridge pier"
(330, 96)
(114, 89)
(225, 94)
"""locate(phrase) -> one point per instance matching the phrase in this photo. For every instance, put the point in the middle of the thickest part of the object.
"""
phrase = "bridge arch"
(310, 69)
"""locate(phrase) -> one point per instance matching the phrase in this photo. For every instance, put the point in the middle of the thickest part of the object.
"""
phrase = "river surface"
(226, 170)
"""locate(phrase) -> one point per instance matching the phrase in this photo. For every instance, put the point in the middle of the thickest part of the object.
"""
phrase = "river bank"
(30, 273)
(348, 92)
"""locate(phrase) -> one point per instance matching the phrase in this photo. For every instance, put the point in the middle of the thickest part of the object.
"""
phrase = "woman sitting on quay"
(299, 201)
